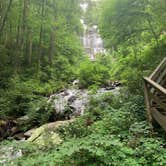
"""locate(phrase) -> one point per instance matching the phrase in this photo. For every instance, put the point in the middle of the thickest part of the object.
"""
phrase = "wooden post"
(148, 104)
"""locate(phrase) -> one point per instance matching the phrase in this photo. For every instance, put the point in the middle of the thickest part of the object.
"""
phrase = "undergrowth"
(107, 135)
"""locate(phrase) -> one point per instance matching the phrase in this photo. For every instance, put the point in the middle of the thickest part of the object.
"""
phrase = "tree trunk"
(153, 31)
(30, 49)
(18, 42)
(23, 46)
(5, 17)
(40, 36)
(51, 51)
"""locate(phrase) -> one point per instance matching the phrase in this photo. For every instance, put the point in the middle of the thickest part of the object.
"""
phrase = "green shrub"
(41, 112)
(91, 73)
(17, 99)
(23, 96)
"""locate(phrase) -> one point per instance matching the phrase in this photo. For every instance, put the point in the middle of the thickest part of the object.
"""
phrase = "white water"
(91, 38)
(76, 99)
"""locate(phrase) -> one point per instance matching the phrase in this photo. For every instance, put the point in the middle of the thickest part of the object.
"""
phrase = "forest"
(71, 82)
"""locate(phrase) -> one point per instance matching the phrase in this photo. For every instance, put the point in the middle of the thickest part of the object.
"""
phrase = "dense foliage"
(93, 73)
(134, 31)
(39, 47)
(108, 134)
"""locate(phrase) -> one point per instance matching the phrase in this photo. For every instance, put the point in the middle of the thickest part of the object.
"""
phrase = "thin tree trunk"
(5, 17)
(153, 31)
(51, 52)
(18, 43)
(10, 45)
(40, 36)
(23, 46)
(30, 49)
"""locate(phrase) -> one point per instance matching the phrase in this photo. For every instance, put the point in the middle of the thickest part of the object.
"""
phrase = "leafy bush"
(130, 69)
(17, 99)
(92, 73)
(25, 97)
(41, 112)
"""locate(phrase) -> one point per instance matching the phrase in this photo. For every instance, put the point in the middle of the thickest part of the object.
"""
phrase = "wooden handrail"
(155, 85)
(155, 95)
(160, 67)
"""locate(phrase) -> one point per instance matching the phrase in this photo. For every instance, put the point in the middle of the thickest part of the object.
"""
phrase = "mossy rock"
(47, 135)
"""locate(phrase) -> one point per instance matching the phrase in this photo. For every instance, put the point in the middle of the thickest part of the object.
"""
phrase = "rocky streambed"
(68, 104)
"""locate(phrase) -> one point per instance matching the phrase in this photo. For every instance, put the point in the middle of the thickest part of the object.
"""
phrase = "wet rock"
(116, 84)
(75, 82)
(72, 99)
(19, 136)
(23, 118)
(72, 102)
(110, 88)
(29, 133)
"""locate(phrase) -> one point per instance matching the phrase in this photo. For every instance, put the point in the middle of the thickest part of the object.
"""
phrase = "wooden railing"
(155, 95)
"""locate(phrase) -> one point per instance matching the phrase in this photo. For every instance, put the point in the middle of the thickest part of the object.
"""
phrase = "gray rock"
(29, 133)
(8, 154)
(76, 100)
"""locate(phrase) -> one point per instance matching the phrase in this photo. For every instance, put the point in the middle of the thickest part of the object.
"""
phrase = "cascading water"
(91, 39)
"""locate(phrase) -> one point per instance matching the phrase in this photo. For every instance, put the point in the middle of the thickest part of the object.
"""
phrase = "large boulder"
(47, 134)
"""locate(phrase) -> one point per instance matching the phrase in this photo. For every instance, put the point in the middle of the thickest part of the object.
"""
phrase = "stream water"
(91, 39)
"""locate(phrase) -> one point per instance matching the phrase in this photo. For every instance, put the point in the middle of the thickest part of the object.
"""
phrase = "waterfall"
(91, 39)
